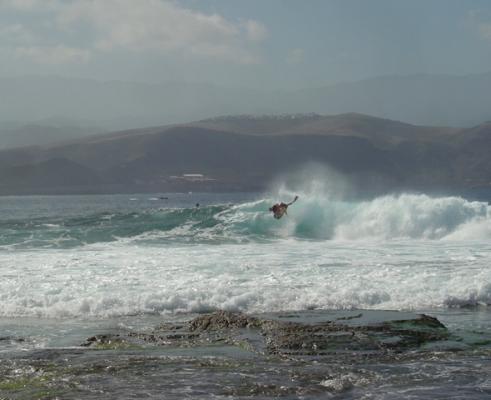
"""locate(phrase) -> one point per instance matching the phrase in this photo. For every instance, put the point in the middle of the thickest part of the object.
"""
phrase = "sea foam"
(126, 279)
(404, 251)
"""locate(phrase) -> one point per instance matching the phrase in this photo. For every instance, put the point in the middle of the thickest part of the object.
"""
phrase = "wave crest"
(315, 216)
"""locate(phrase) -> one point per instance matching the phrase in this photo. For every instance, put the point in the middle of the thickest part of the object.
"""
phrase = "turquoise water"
(100, 256)
(73, 266)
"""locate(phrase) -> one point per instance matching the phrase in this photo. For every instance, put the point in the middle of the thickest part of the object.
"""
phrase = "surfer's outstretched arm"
(293, 201)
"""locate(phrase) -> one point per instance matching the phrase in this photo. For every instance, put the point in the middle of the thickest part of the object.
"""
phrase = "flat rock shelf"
(301, 354)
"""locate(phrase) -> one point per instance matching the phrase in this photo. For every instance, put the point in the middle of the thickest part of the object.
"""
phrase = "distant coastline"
(247, 153)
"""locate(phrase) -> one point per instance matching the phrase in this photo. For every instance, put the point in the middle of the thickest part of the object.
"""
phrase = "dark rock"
(301, 334)
(223, 320)
(11, 338)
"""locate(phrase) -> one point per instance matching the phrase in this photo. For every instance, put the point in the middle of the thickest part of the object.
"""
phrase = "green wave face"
(216, 224)
(148, 225)
(405, 216)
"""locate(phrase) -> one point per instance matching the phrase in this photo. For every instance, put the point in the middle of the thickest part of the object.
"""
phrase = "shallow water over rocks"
(306, 354)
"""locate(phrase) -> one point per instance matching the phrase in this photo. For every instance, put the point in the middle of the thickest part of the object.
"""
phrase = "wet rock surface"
(308, 354)
(306, 333)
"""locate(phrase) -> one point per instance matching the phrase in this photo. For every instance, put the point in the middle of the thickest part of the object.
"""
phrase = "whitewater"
(96, 257)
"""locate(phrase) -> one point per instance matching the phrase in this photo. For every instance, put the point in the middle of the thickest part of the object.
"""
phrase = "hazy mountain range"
(249, 152)
(91, 106)
(42, 133)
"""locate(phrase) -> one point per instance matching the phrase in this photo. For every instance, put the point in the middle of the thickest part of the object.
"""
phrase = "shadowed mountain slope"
(246, 153)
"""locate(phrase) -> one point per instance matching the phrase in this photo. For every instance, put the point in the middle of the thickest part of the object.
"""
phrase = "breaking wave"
(314, 216)
(405, 251)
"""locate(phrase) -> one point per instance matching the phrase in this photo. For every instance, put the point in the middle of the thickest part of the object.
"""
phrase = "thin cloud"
(28, 5)
(295, 56)
(255, 31)
(153, 26)
(15, 34)
(53, 55)
(485, 31)
(481, 23)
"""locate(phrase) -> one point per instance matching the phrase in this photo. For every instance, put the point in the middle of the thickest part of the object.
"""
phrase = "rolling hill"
(248, 152)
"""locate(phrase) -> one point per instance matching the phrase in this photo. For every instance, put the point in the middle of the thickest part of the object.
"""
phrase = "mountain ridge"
(424, 99)
(377, 154)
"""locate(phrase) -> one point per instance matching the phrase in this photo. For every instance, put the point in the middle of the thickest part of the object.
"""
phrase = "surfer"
(279, 210)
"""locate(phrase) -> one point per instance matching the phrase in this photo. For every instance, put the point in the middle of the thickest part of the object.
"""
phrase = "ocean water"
(72, 266)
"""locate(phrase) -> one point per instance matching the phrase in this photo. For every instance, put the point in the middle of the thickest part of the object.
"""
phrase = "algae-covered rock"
(223, 320)
(109, 342)
(322, 332)
(304, 333)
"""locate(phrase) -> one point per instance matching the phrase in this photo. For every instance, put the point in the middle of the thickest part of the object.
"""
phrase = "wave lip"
(316, 216)
(413, 216)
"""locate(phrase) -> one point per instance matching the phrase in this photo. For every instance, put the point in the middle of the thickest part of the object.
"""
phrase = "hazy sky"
(249, 43)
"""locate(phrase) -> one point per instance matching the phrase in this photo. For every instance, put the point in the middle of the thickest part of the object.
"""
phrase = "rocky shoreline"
(310, 354)
(307, 333)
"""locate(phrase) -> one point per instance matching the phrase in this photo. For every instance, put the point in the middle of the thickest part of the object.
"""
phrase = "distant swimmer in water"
(279, 210)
